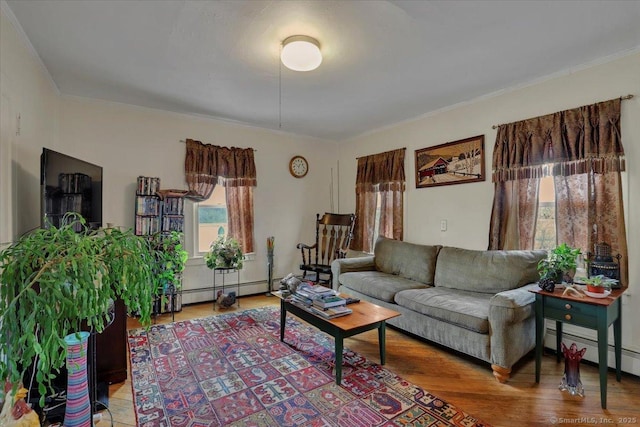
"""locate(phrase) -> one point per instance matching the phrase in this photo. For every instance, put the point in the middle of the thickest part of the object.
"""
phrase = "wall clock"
(298, 166)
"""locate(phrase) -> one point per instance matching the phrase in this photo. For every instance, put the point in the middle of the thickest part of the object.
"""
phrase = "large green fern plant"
(52, 281)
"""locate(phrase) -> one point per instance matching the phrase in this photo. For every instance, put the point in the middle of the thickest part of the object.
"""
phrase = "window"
(581, 149)
(211, 219)
(380, 184)
(235, 170)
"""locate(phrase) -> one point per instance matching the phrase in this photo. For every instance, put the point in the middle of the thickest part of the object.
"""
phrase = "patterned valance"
(383, 170)
(570, 142)
(207, 165)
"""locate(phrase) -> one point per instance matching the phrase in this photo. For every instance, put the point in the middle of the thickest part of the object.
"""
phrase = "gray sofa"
(476, 302)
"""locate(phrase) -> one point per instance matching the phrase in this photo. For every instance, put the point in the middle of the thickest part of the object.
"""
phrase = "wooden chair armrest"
(305, 246)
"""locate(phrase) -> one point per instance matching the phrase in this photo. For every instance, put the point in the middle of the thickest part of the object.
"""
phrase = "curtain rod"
(184, 142)
(384, 152)
(622, 98)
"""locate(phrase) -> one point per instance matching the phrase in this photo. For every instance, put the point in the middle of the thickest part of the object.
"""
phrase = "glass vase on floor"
(571, 378)
(78, 409)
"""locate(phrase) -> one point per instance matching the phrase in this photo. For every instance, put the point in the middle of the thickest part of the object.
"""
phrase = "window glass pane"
(212, 219)
(546, 222)
(376, 221)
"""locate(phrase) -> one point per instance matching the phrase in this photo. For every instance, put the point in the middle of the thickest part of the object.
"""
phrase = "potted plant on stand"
(559, 265)
(225, 254)
(53, 281)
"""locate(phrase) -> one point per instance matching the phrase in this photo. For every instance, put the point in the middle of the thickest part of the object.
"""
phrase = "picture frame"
(457, 162)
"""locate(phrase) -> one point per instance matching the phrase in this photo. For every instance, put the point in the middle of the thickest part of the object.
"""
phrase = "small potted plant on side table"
(596, 284)
(558, 266)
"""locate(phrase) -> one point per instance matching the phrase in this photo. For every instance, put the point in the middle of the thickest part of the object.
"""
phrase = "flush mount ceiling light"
(301, 53)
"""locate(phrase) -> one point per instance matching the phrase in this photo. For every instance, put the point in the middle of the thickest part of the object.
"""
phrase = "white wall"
(131, 141)
(467, 207)
(27, 91)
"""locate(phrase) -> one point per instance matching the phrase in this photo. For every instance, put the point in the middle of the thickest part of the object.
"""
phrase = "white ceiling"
(384, 61)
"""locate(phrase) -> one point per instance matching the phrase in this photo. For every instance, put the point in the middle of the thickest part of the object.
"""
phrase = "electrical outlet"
(443, 225)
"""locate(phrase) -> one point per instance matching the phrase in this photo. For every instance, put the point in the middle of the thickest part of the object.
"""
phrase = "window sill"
(199, 259)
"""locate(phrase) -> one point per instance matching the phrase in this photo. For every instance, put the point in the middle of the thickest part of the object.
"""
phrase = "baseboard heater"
(630, 358)
(231, 286)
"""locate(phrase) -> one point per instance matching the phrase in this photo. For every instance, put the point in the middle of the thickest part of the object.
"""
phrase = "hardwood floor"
(460, 380)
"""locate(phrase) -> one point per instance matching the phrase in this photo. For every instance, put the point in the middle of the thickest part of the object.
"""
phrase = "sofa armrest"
(345, 265)
(512, 306)
(512, 325)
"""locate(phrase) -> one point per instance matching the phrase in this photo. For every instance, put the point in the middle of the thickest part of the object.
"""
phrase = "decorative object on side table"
(601, 262)
(54, 280)
(559, 265)
(571, 378)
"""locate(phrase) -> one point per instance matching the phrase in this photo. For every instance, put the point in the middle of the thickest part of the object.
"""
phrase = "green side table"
(592, 313)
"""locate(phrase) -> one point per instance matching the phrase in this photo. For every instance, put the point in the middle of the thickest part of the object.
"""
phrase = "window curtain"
(379, 175)
(513, 219)
(582, 149)
(234, 168)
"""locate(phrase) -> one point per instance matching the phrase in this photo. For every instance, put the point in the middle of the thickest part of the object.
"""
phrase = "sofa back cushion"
(486, 271)
(408, 260)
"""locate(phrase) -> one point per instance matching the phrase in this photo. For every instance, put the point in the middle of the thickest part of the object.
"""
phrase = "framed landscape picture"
(456, 162)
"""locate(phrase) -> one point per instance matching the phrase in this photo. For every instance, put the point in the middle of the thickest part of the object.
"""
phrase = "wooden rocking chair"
(333, 236)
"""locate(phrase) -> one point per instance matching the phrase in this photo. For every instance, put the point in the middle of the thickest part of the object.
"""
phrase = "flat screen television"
(68, 185)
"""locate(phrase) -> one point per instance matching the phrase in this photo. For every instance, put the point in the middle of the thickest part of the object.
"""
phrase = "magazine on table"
(330, 301)
(317, 290)
(332, 312)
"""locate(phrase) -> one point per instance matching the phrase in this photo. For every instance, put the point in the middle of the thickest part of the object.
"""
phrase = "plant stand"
(223, 271)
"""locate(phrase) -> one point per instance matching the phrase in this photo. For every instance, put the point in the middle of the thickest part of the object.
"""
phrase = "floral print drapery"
(234, 168)
(582, 149)
(379, 174)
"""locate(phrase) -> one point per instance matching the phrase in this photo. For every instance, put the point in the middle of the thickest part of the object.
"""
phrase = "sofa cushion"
(486, 271)
(376, 284)
(408, 260)
(469, 310)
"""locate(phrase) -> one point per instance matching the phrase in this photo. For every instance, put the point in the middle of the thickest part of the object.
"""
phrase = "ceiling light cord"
(280, 91)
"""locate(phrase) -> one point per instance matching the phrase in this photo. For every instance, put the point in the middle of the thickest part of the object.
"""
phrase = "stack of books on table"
(332, 312)
(320, 300)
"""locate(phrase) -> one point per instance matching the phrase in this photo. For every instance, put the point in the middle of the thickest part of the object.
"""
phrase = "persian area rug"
(232, 370)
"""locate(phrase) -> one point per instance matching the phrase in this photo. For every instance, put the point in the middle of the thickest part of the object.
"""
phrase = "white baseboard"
(630, 359)
(191, 295)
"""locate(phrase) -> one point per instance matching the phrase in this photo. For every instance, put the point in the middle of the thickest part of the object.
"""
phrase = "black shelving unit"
(160, 211)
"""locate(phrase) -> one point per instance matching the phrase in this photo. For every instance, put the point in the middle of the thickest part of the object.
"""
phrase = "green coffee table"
(365, 317)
